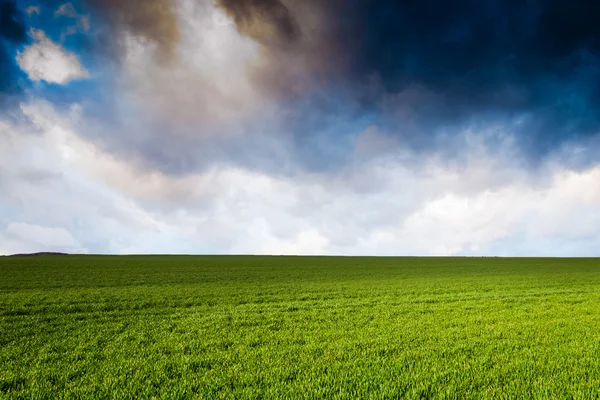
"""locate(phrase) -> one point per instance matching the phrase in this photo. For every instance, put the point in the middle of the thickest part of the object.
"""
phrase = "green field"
(298, 327)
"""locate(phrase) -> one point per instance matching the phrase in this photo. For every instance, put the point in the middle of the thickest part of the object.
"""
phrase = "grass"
(299, 327)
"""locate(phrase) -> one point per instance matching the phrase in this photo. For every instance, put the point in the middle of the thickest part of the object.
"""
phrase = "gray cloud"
(153, 20)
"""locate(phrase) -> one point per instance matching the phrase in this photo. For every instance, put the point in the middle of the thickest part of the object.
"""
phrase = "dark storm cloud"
(12, 33)
(269, 22)
(488, 57)
(474, 50)
(426, 64)
(12, 27)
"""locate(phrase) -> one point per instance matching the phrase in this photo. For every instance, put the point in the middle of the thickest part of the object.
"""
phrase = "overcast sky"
(300, 127)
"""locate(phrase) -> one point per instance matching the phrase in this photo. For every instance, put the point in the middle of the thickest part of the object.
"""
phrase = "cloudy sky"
(300, 127)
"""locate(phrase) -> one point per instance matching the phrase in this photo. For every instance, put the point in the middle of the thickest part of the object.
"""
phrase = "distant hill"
(42, 253)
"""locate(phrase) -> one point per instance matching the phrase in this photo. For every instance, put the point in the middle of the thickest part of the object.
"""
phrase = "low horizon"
(54, 253)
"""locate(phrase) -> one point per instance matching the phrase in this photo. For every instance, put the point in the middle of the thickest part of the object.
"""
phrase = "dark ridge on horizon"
(41, 253)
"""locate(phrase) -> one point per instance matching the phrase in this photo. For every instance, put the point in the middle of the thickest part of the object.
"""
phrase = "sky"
(351, 127)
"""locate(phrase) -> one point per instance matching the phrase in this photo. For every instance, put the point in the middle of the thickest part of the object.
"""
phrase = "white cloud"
(47, 61)
(393, 206)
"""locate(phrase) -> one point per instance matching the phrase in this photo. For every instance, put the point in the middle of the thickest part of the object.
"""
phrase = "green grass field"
(298, 327)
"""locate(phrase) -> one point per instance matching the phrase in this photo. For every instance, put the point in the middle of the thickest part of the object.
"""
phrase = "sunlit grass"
(299, 327)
